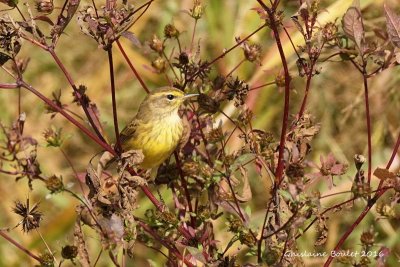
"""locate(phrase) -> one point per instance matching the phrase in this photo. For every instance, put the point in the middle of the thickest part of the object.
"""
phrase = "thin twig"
(114, 101)
(132, 67)
(19, 246)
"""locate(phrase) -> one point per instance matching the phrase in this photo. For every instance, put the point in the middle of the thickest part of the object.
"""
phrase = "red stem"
(304, 103)
(368, 117)
(68, 117)
(19, 246)
(113, 99)
(132, 67)
(274, 28)
(371, 202)
(8, 85)
(165, 244)
(185, 188)
(78, 95)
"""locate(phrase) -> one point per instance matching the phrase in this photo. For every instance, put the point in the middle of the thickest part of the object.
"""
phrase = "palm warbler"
(157, 128)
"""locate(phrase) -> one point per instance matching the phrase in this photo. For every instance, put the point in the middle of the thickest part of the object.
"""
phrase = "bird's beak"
(189, 96)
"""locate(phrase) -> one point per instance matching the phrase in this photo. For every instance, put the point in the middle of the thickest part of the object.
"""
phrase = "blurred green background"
(336, 101)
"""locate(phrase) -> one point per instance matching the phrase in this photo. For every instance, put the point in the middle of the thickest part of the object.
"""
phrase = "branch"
(68, 117)
(19, 246)
(78, 95)
(114, 104)
(132, 67)
(274, 28)
(371, 203)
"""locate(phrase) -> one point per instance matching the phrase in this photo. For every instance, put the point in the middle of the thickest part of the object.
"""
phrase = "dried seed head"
(295, 170)
(252, 52)
(235, 224)
(45, 6)
(69, 252)
(208, 104)
(272, 256)
(183, 58)
(368, 237)
(215, 135)
(197, 11)
(238, 90)
(30, 217)
(219, 82)
(190, 168)
(156, 44)
(53, 137)
(54, 184)
(359, 160)
(20, 65)
(280, 80)
(46, 260)
(246, 238)
(345, 258)
(159, 65)
(170, 31)
(329, 31)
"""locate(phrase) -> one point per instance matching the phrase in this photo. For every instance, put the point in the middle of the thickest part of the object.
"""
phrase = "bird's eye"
(170, 97)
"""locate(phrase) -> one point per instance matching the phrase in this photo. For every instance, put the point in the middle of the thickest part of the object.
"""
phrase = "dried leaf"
(246, 194)
(322, 232)
(133, 38)
(353, 26)
(384, 174)
(197, 254)
(397, 55)
(45, 19)
(392, 25)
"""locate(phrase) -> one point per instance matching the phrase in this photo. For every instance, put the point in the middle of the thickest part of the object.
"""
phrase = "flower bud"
(197, 11)
(45, 6)
(159, 64)
(170, 31)
(156, 44)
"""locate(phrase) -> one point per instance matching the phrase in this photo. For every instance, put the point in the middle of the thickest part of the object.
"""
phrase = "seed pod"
(159, 64)
(208, 104)
(156, 44)
(170, 31)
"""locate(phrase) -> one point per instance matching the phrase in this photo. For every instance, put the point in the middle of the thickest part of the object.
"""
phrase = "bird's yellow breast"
(159, 139)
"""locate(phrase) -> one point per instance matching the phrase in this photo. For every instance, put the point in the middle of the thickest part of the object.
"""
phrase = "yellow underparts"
(157, 140)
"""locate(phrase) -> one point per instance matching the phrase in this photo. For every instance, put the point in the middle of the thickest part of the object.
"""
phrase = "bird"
(157, 128)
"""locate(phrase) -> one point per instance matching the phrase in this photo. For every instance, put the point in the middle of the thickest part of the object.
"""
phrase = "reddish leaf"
(392, 25)
(133, 38)
(45, 19)
(353, 26)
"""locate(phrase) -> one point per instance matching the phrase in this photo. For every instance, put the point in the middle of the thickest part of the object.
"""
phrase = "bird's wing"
(128, 132)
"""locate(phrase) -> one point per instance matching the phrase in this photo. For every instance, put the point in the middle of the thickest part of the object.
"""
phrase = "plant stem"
(370, 204)
(78, 95)
(236, 67)
(306, 91)
(68, 117)
(368, 118)
(185, 188)
(274, 28)
(132, 67)
(19, 246)
(114, 102)
(189, 79)
(193, 34)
